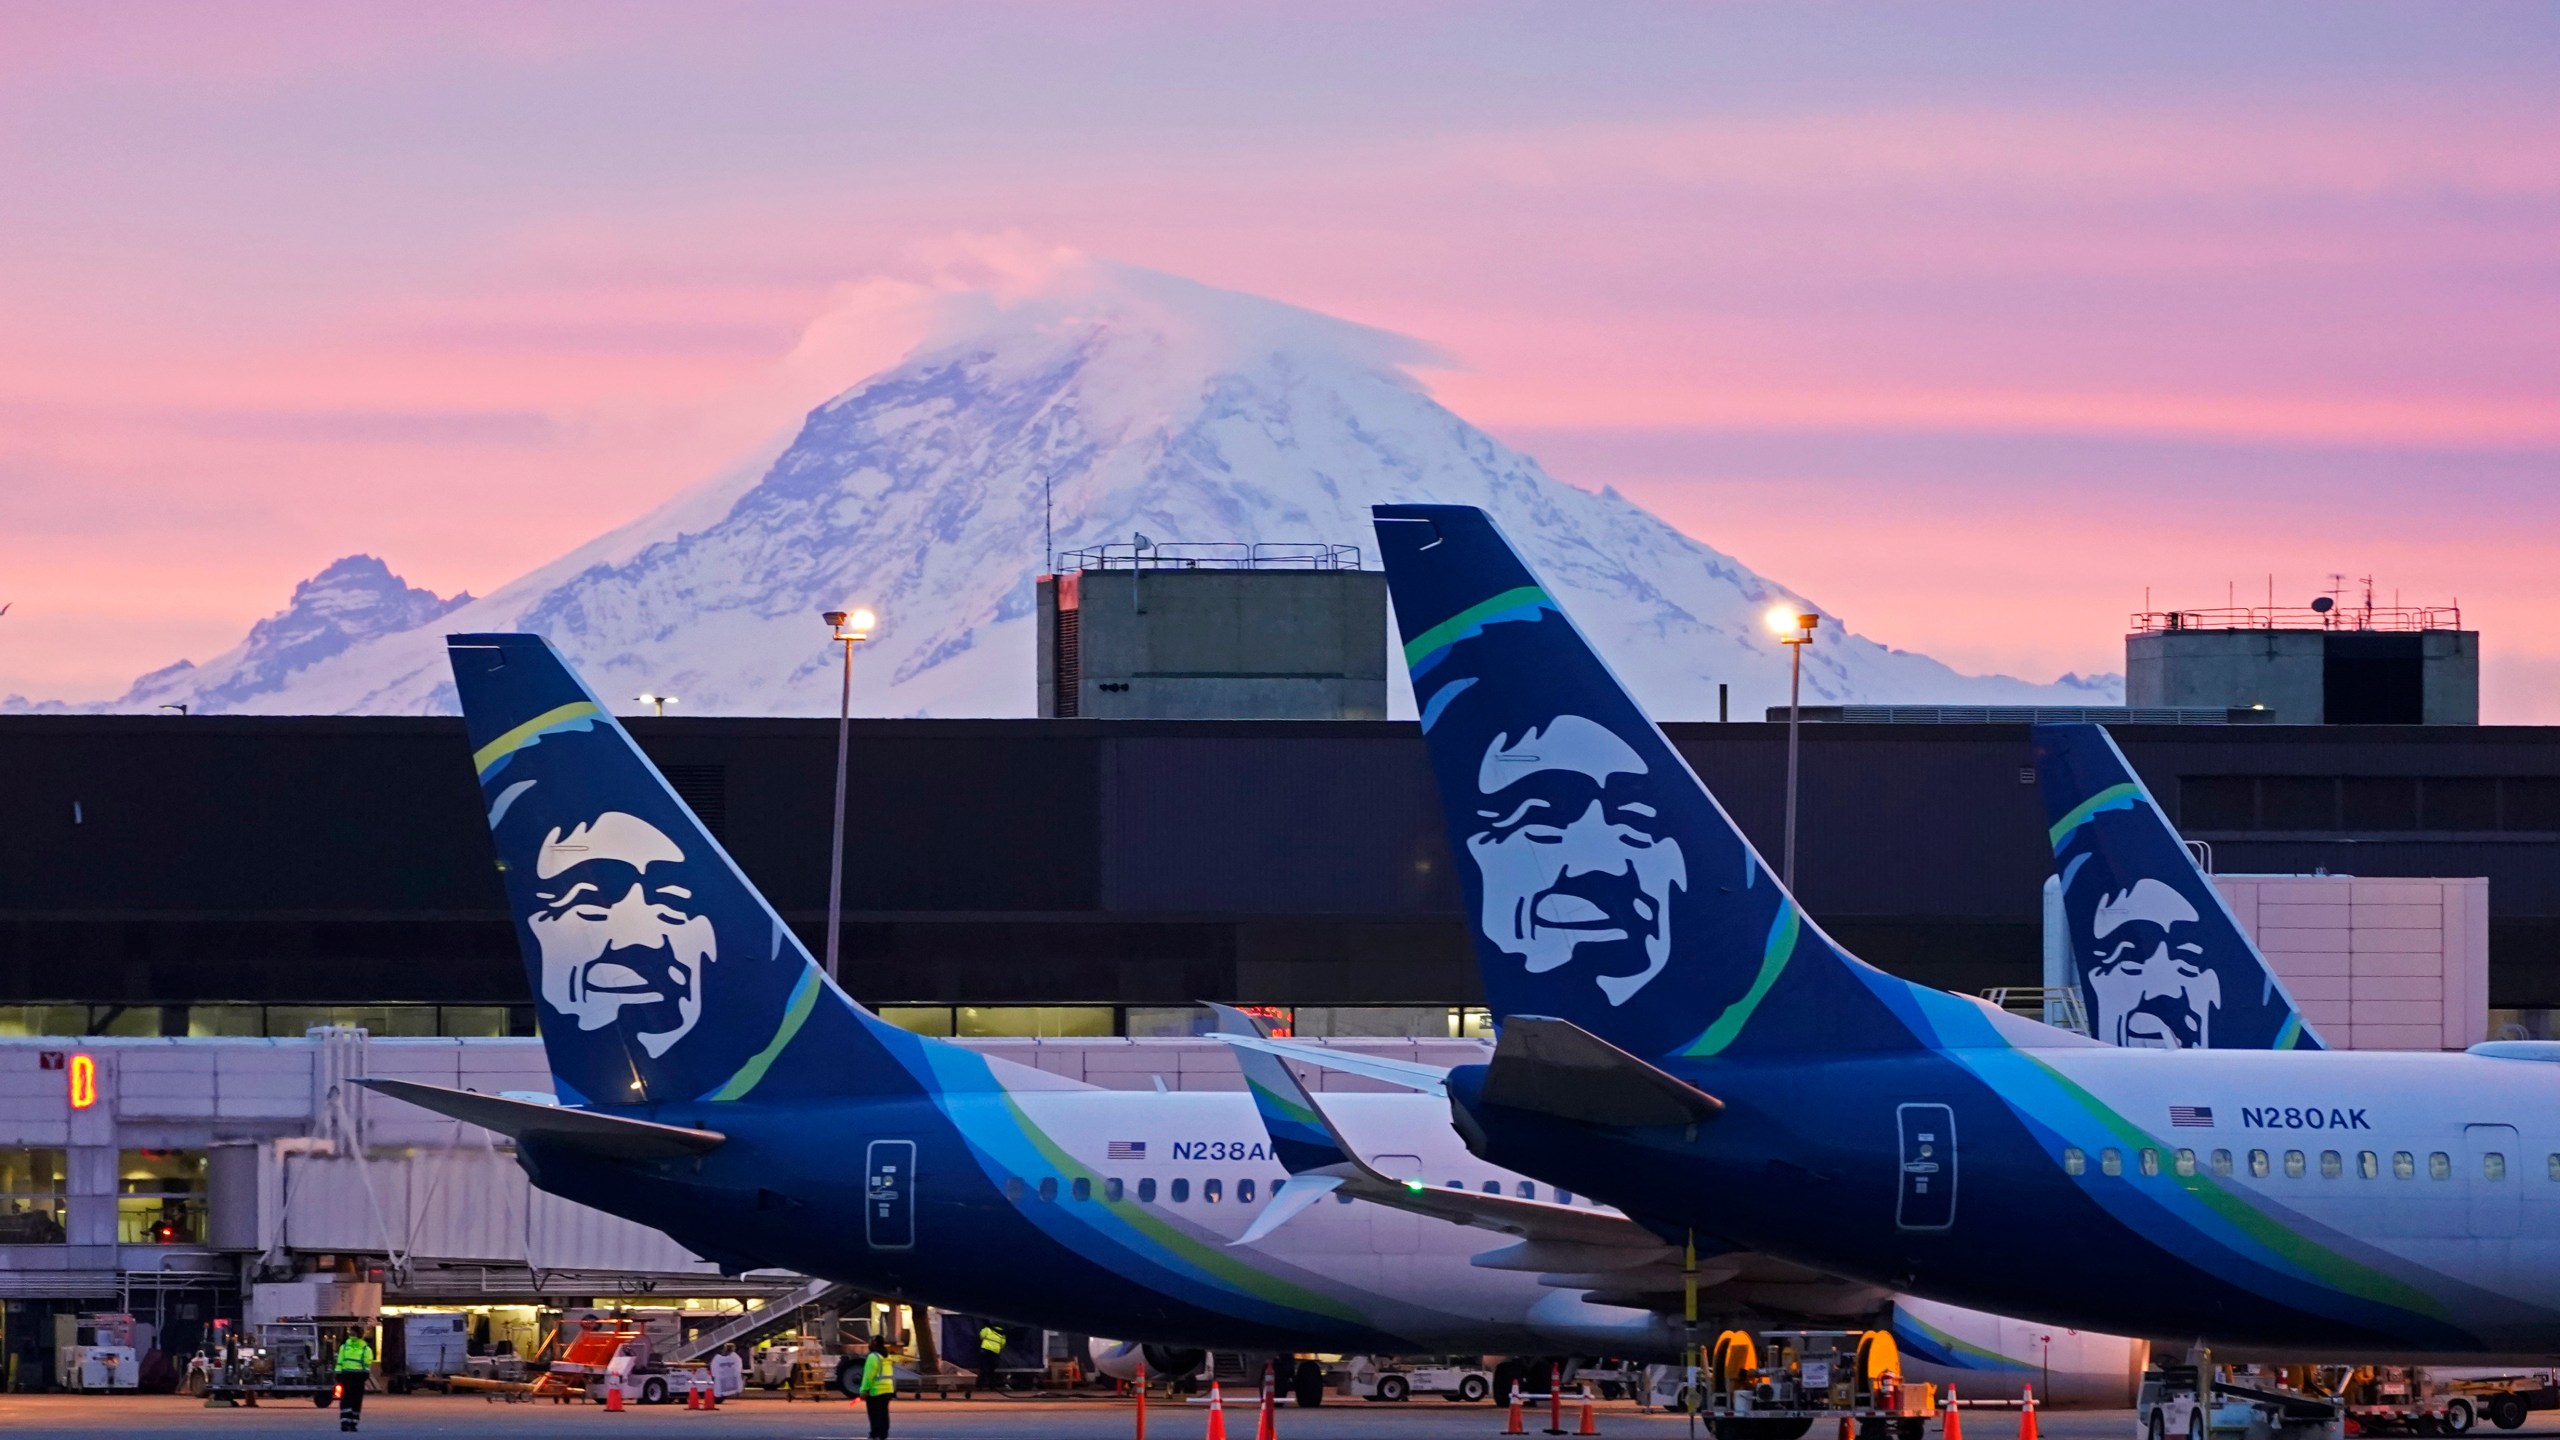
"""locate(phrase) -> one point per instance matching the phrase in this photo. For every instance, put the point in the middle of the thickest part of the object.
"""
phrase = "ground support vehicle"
(2170, 1407)
(2413, 1400)
(1779, 1385)
(1373, 1377)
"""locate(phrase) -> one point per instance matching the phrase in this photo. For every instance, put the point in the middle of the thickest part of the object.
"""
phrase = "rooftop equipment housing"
(2323, 664)
(1213, 631)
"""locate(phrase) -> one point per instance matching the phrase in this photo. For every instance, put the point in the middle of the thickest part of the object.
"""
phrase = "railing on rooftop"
(1213, 555)
(2301, 617)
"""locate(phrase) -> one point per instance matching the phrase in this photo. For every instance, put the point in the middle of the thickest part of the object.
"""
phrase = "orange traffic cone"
(2027, 1416)
(1555, 1399)
(1591, 1418)
(613, 1392)
(1266, 1426)
(1217, 1411)
(1951, 1419)
(1519, 1422)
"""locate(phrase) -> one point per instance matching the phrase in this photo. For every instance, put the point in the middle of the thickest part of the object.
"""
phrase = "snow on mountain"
(1147, 404)
(355, 600)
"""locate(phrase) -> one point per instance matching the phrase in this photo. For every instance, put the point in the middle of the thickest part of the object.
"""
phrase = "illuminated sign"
(84, 1081)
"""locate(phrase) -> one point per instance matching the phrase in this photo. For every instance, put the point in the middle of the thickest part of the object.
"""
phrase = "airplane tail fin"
(1603, 883)
(2159, 957)
(660, 974)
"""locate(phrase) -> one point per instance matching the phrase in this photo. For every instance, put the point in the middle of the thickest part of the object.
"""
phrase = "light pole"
(850, 629)
(658, 703)
(1795, 631)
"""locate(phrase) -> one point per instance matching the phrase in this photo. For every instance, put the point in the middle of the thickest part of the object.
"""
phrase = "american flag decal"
(2193, 1117)
(1126, 1150)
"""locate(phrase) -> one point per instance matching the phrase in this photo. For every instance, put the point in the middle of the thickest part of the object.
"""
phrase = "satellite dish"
(2322, 605)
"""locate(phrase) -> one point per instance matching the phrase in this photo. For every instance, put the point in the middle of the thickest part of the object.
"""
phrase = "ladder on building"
(773, 1315)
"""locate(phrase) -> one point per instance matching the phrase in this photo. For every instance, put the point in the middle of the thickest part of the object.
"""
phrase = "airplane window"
(2493, 1166)
(2258, 1164)
(1565, 1197)
(1493, 1187)
(2186, 1162)
(1048, 1187)
(2293, 1164)
(1528, 1189)
(1013, 1187)
(2109, 1162)
(2074, 1160)
(1244, 1192)
(2404, 1166)
(1111, 1190)
(1457, 1184)
(1147, 1191)
(2554, 1164)
(1341, 1197)
(2331, 1165)
(1082, 1189)
(1212, 1191)
(2221, 1162)
(2150, 1159)
(2368, 1165)
(1179, 1191)
(2439, 1166)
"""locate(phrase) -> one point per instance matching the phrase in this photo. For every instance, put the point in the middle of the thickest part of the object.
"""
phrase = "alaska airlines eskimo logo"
(618, 931)
(1574, 867)
(2148, 979)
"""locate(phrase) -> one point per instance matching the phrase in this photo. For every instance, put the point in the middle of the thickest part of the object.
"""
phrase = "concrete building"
(2327, 666)
(1213, 632)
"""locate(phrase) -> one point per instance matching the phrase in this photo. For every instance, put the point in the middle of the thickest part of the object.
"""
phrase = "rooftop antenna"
(2368, 602)
(1048, 532)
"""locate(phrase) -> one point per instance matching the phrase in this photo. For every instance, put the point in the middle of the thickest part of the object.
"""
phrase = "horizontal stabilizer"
(1403, 1074)
(1555, 1067)
(608, 1136)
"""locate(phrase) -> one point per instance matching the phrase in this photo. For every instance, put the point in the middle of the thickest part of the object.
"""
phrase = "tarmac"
(758, 1415)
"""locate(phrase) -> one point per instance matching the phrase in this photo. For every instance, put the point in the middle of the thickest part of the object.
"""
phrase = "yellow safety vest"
(877, 1376)
(355, 1353)
(991, 1340)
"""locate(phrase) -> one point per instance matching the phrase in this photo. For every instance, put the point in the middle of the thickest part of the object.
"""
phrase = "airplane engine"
(1994, 1357)
(1120, 1359)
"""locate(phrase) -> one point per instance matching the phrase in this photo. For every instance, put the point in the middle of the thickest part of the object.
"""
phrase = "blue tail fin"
(660, 974)
(2161, 961)
(1604, 885)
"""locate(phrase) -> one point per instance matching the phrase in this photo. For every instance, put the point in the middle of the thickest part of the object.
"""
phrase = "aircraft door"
(1928, 1195)
(889, 1195)
(2491, 1178)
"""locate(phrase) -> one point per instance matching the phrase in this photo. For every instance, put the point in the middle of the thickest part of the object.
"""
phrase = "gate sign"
(83, 1071)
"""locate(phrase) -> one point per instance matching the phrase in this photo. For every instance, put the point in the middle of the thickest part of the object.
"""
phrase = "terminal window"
(33, 1183)
(160, 1197)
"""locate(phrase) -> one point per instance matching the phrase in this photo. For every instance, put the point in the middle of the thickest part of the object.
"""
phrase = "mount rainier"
(1145, 403)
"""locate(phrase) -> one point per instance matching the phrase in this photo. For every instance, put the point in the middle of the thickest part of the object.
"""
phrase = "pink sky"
(1970, 324)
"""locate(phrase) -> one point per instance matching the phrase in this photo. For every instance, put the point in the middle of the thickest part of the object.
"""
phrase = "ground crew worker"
(879, 1383)
(355, 1367)
(990, 1350)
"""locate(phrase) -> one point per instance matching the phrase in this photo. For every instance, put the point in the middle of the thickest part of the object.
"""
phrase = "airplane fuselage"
(2358, 1204)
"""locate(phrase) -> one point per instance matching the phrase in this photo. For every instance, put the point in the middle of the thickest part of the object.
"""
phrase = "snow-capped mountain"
(1135, 402)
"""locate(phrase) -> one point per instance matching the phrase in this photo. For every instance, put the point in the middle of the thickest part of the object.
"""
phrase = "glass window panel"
(160, 1197)
(2332, 1165)
(1014, 1189)
(2221, 1162)
(1048, 1187)
(2150, 1160)
(2404, 1166)
(389, 1020)
(2075, 1161)
(1082, 1189)
(1244, 1192)
(1417, 1022)
(1147, 1192)
(1043, 1021)
(2439, 1166)
(1112, 1190)
(211, 1021)
(2368, 1165)
(2553, 1164)
(2186, 1162)
(2258, 1164)
(2293, 1164)
(1565, 1197)
(2110, 1162)
(33, 1183)
(1212, 1191)
(921, 1019)
(2493, 1166)
(1162, 1022)
(1179, 1191)
(472, 1021)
